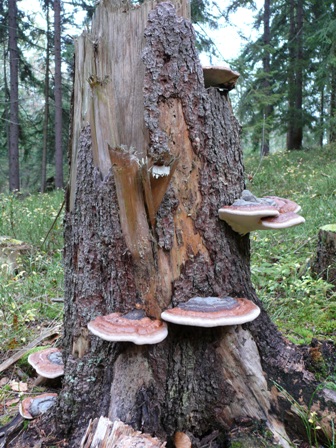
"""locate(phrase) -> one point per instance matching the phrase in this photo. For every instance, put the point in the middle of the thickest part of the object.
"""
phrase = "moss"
(23, 362)
(329, 228)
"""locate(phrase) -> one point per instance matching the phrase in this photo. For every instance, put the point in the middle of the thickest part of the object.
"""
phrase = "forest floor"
(301, 305)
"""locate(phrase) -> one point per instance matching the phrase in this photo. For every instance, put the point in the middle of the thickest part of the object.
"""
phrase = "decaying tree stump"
(324, 264)
(136, 242)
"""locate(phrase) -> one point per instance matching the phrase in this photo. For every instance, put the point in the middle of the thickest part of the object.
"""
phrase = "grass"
(26, 295)
(303, 307)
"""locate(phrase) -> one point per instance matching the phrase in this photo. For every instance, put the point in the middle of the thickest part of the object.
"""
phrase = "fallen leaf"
(4, 381)
(18, 386)
(10, 402)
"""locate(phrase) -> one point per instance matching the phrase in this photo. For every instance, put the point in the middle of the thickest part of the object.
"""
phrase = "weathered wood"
(109, 76)
(103, 432)
(324, 264)
(10, 431)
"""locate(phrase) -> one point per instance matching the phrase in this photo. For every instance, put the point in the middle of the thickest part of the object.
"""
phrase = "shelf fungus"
(220, 76)
(134, 327)
(47, 363)
(250, 213)
(33, 407)
(212, 312)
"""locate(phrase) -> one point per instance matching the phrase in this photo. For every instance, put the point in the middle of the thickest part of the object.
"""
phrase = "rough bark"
(198, 381)
(324, 264)
(58, 96)
(14, 171)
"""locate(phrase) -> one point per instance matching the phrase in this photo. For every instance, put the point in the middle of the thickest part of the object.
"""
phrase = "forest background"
(285, 99)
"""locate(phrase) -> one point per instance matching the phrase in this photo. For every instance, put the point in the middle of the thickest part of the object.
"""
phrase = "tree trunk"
(135, 241)
(322, 118)
(298, 128)
(14, 172)
(267, 73)
(332, 132)
(58, 97)
(324, 264)
(295, 70)
(46, 108)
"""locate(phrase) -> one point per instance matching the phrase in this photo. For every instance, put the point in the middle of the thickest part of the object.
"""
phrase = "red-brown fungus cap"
(220, 76)
(283, 221)
(32, 407)
(47, 363)
(133, 327)
(285, 205)
(246, 218)
(212, 312)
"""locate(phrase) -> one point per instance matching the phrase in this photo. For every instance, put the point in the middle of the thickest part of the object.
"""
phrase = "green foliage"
(26, 294)
(278, 89)
(301, 305)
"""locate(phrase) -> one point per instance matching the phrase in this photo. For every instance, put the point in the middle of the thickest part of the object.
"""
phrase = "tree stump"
(137, 241)
(324, 264)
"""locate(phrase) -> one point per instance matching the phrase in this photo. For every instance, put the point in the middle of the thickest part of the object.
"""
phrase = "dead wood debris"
(102, 433)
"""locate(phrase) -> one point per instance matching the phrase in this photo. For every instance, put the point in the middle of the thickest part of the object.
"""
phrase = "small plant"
(311, 420)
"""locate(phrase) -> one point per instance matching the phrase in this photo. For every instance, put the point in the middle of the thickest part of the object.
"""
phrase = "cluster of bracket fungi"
(250, 213)
(48, 364)
(244, 215)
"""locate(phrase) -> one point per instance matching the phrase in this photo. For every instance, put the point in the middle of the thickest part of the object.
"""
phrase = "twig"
(53, 224)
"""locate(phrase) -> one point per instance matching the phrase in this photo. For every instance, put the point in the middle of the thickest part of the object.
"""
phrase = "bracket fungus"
(33, 407)
(47, 363)
(282, 221)
(134, 327)
(250, 213)
(220, 76)
(212, 312)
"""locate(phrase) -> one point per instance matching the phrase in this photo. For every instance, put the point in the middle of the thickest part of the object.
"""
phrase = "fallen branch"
(18, 355)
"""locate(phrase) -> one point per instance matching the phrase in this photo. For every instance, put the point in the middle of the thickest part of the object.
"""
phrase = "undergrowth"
(27, 292)
(303, 306)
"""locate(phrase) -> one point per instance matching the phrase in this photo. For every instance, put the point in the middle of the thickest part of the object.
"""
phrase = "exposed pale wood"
(103, 433)
(28, 347)
(108, 87)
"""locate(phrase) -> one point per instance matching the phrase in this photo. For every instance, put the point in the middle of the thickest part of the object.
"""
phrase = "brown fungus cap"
(283, 221)
(212, 312)
(33, 407)
(47, 363)
(250, 213)
(220, 76)
(285, 205)
(133, 327)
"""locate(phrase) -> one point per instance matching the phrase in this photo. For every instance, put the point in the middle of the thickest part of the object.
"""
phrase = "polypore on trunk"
(220, 76)
(134, 327)
(250, 213)
(33, 407)
(212, 312)
(47, 363)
